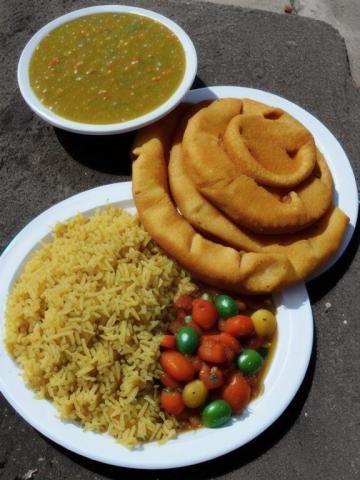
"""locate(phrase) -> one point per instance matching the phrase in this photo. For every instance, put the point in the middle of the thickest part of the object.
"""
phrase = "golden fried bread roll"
(212, 263)
(306, 250)
(218, 178)
(274, 149)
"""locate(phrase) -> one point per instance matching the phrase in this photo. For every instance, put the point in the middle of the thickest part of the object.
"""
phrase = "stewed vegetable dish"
(214, 357)
(107, 67)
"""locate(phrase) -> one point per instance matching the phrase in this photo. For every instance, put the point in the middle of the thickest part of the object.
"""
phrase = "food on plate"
(224, 368)
(85, 319)
(201, 237)
(107, 67)
(249, 203)
(277, 153)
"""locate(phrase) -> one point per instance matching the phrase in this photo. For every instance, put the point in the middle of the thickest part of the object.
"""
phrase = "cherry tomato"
(196, 362)
(230, 341)
(187, 340)
(237, 392)
(204, 313)
(168, 341)
(225, 339)
(194, 394)
(239, 326)
(168, 381)
(249, 361)
(226, 306)
(172, 401)
(216, 414)
(177, 366)
(212, 377)
(212, 351)
(264, 322)
(184, 302)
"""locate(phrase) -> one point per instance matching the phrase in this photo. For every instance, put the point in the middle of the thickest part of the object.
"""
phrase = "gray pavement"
(344, 15)
(301, 59)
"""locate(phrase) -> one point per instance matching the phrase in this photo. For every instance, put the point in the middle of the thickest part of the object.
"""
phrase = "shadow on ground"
(222, 465)
(103, 153)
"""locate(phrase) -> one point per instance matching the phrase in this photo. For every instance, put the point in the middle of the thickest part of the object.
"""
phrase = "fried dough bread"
(200, 236)
(239, 196)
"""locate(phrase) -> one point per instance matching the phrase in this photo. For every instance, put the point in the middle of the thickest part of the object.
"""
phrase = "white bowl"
(103, 129)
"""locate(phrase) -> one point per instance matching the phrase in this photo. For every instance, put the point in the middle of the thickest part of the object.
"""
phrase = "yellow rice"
(84, 321)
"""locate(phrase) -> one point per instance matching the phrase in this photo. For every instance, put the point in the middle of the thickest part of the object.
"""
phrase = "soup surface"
(107, 67)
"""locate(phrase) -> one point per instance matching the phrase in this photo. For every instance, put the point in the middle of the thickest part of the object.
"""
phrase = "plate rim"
(120, 192)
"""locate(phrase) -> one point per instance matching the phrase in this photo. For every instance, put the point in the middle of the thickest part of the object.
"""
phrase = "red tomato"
(204, 313)
(185, 302)
(237, 392)
(172, 401)
(239, 326)
(213, 377)
(168, 381)
(230, 341)
(212, 351)
(168, 341)
(177, 366)
(196, 363)
(225, 339)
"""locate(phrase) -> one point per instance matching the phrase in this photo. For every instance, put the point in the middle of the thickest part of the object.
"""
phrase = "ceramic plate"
(283, 379)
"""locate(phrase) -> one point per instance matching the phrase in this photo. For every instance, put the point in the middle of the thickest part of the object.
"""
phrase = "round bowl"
(112, 128)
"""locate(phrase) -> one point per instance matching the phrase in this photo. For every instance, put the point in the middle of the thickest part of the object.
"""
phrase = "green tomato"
(188, 318)
(216, 414)
(207, 296)
(226, 306)
(187, 340)
(249, 361)
(194, 394)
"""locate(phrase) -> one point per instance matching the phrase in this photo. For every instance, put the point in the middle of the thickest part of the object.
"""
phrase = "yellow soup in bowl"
(107, 67)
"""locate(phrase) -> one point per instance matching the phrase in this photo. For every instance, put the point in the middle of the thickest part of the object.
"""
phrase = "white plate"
(345, 191)
(283, 379)
(295, 324)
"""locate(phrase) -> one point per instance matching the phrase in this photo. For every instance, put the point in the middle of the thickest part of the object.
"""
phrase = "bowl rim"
(103, 129)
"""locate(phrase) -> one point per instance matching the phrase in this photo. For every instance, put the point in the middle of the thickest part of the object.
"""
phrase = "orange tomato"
(204, 313)
(239, 326)
(237, 392)
(230, 341)
(168, 341)
(172, 401)
(177, 366)
(212, 377)
(196, 363)
(168, 381)
(212, 351)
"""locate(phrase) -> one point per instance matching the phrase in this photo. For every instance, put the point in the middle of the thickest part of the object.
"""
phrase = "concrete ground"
(344, 15)
(318, 436)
